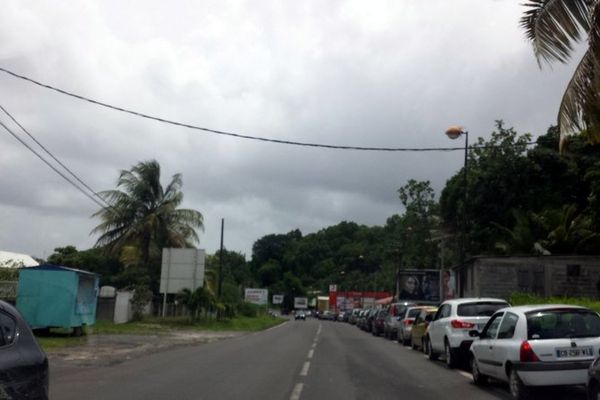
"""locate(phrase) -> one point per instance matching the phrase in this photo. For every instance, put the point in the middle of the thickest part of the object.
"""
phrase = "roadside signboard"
(277, 299)
(181, 269)
(419, 284)
(300, 302)
(256, 296)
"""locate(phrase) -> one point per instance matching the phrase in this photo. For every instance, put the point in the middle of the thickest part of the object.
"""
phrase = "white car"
(540, 345)
(448, 332)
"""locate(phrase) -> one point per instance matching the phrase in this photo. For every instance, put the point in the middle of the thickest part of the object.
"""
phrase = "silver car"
(541, 345)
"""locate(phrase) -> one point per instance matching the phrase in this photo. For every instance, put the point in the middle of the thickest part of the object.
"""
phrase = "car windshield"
(479, 309)
(562, 323)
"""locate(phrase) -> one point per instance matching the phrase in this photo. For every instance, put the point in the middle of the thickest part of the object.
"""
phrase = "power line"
(106, 204)
(51, 166)
(231, 134)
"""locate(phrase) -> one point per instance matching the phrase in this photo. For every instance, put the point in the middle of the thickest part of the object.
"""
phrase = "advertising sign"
(300, 302)
(448, 284)
(256, 296)
(277, 299)
(419, 284)
(181, 269)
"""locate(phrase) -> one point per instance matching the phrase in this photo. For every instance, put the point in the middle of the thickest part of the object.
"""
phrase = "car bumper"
(553, 373)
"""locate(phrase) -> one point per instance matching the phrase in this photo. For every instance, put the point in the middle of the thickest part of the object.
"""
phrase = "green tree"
(145, 216)
(553, 27)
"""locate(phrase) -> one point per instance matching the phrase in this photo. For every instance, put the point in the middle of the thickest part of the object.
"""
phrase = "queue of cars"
(524, 346)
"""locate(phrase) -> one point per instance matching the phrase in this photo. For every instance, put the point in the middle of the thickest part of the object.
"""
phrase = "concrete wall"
(543, 275)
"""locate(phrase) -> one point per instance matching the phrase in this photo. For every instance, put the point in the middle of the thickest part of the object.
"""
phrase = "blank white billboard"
(182, 269)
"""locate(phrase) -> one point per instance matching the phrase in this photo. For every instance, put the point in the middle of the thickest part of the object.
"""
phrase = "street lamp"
(454, 132)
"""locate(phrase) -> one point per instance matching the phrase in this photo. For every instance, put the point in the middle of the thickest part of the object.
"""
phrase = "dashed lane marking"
(305, 368)
(311, 353)
(297, 391)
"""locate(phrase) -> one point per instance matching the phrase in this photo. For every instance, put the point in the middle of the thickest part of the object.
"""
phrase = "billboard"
(419, 284)
(277, 299)
(300, 302)
(181, 269)
(256, 296)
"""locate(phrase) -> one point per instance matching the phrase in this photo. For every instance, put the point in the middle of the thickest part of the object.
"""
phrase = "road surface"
(297, 360)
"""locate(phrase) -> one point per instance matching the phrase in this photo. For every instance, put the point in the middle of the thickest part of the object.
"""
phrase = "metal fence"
(8, 290)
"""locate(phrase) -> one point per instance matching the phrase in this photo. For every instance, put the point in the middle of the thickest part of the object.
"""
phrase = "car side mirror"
(474, 333)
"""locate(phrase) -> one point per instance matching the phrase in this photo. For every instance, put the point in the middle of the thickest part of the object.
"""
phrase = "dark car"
(23, 364)
(378, 320)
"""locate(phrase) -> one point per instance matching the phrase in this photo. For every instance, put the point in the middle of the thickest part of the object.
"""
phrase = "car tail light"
(407, 322)
(526, 353)
(458, 324)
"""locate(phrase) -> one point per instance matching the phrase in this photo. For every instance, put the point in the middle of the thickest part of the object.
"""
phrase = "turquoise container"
(50, 296)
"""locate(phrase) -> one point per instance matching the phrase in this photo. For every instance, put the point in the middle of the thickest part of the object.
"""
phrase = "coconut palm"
(144, 217)
(554, 27)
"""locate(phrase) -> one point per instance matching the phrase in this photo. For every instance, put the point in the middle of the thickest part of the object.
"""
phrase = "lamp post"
(454, 132)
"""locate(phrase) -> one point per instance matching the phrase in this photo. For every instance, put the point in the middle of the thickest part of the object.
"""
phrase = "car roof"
(473, 300)
(542, 307)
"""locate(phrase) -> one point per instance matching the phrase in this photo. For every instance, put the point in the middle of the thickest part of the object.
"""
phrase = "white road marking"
(297, 391)
(465, 374)
(314, 344)
(305, 368)
(311, 353)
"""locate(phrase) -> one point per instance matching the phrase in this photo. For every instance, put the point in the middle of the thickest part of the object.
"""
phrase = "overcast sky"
(377, 73)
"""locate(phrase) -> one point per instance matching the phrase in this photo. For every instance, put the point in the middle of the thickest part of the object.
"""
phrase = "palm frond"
(553, 26)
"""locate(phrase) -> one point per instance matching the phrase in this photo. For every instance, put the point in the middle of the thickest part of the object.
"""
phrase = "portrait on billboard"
(419, 285)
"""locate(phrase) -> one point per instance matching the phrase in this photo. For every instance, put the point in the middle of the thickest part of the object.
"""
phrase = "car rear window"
(479, 309)
(414, 312)
(562, 323)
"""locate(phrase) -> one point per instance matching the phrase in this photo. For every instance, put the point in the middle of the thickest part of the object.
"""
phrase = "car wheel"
(594, 391)
(430, 353)
(450, 355)
(478, 377)
(518, 390)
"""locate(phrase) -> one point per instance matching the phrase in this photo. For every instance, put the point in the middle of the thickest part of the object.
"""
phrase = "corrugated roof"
(16, 260)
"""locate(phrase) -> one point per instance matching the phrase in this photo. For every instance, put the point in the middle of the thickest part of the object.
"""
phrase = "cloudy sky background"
(378, 73)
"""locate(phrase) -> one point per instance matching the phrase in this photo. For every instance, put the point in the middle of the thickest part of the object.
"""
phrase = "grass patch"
(518, 299)
(59, 338)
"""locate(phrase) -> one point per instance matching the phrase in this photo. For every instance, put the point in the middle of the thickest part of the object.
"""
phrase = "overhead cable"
(75, 185)
(73, 174)
(236, 135)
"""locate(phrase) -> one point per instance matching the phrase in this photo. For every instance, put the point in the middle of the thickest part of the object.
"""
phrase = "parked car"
(405, 323)
(300, 315)
(448, 332)
(327, 315)
(390, 325)
(23, 364)
(370, 317)
(378, 319)
(361, 320)
(419, 328)
(342, 316)
(540, 345)
(353, 318)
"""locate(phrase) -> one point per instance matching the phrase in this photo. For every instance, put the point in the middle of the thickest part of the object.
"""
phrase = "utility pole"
(220, 282)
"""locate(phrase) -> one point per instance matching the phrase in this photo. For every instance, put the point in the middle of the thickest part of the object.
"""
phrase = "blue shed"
(51, 296)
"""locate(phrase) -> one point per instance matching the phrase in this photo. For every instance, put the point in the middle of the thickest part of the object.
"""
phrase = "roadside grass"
(518, 299)
(61, 338)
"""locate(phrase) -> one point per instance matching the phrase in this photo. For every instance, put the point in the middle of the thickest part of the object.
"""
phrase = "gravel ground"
(106, 350)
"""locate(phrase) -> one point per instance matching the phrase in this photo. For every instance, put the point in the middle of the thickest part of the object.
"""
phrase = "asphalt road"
(297, 360)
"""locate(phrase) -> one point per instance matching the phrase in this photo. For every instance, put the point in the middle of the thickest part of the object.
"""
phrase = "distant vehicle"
(327, 315)
(448, 332)
(378, 319)
(392, 320)
(23, 364)
(353, 318)
(405, 325)
(300, 315)
(341, 316)
(419, 328)
(540, 345)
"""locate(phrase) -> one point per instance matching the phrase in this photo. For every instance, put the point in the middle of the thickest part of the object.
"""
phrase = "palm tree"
(143, 217)
(554, 27)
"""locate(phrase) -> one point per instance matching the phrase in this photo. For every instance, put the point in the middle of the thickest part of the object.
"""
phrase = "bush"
(249, 309)
(9, 274)
(142, 295)
(519, 299)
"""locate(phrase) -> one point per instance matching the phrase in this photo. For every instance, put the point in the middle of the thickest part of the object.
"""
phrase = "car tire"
(450, 355)
(478, 377)
(432, 355)
(518, 390)
(593, 392)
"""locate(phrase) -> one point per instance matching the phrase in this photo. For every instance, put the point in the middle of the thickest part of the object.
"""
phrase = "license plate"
(567, 352)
